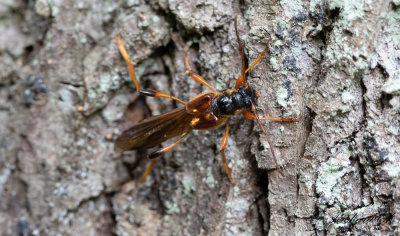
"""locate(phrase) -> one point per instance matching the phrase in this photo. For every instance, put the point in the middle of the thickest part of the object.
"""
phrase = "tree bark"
(65, 95)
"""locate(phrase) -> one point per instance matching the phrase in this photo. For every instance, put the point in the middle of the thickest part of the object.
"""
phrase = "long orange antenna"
(253, 109)
(242, 79)
(241, 53)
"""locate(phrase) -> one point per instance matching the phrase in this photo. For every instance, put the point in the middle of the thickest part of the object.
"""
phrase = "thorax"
(212, 109)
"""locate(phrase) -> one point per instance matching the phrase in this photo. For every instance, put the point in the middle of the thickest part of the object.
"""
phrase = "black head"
(230, 102)
(248, 97)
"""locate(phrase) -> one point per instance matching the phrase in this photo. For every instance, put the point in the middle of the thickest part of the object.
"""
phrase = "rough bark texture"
(65, 94)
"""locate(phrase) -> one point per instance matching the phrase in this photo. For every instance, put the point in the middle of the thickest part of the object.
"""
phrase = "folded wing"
(154, 130)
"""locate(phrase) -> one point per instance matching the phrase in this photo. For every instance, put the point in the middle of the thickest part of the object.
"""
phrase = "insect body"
(204, 112)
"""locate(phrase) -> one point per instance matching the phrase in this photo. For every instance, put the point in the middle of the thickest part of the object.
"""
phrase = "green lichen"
(342, 50)
(347, 97)
(236, 190)
(392, 169)
(299, 76)
(370, 124)
(83, 39)
(241, 164)
(393, 22)
(231, 164)
(155, 67)
(188, 185)
(349, 10)
(281, 97)
(195, 133)
(172, 208)
(395, 102)
(249, 232)
(212, 63)
(54, 11)
(219, 85)
(155, 19)
(105, 82)
(274, 64)
(277, 43)
(332, 231)
(143, 24)
(330, 174)
(109, 115)
(345, 109)
(92, 94)
(210, 181)
(282, 25)
(165, 218)
(319, 224)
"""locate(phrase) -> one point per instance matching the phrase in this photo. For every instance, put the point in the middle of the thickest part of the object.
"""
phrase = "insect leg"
(250, 116)
(125, 55)
(196, 77)
(145, 92)
(154, 93)
(163, 150)
(224, 142)
(158, 153)
(240, 80)
(148, 169)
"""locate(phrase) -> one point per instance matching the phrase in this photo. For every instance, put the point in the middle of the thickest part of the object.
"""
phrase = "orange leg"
(154, 93)
(224, 142)
(148, 169)
(158, 153)
(196, 77)
(125, 55)
(145, 92)
(242, 79)
(250, 116)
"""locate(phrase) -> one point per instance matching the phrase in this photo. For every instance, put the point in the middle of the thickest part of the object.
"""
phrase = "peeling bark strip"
(334, 64)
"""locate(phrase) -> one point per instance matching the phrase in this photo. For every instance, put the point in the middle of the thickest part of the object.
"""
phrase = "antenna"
(253, 109)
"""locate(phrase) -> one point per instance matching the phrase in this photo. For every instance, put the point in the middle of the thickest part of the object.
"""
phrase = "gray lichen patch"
(392, 29)
(392, 86)
(349, 10)
(331, 172)
(350, 50)
(347, 97)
